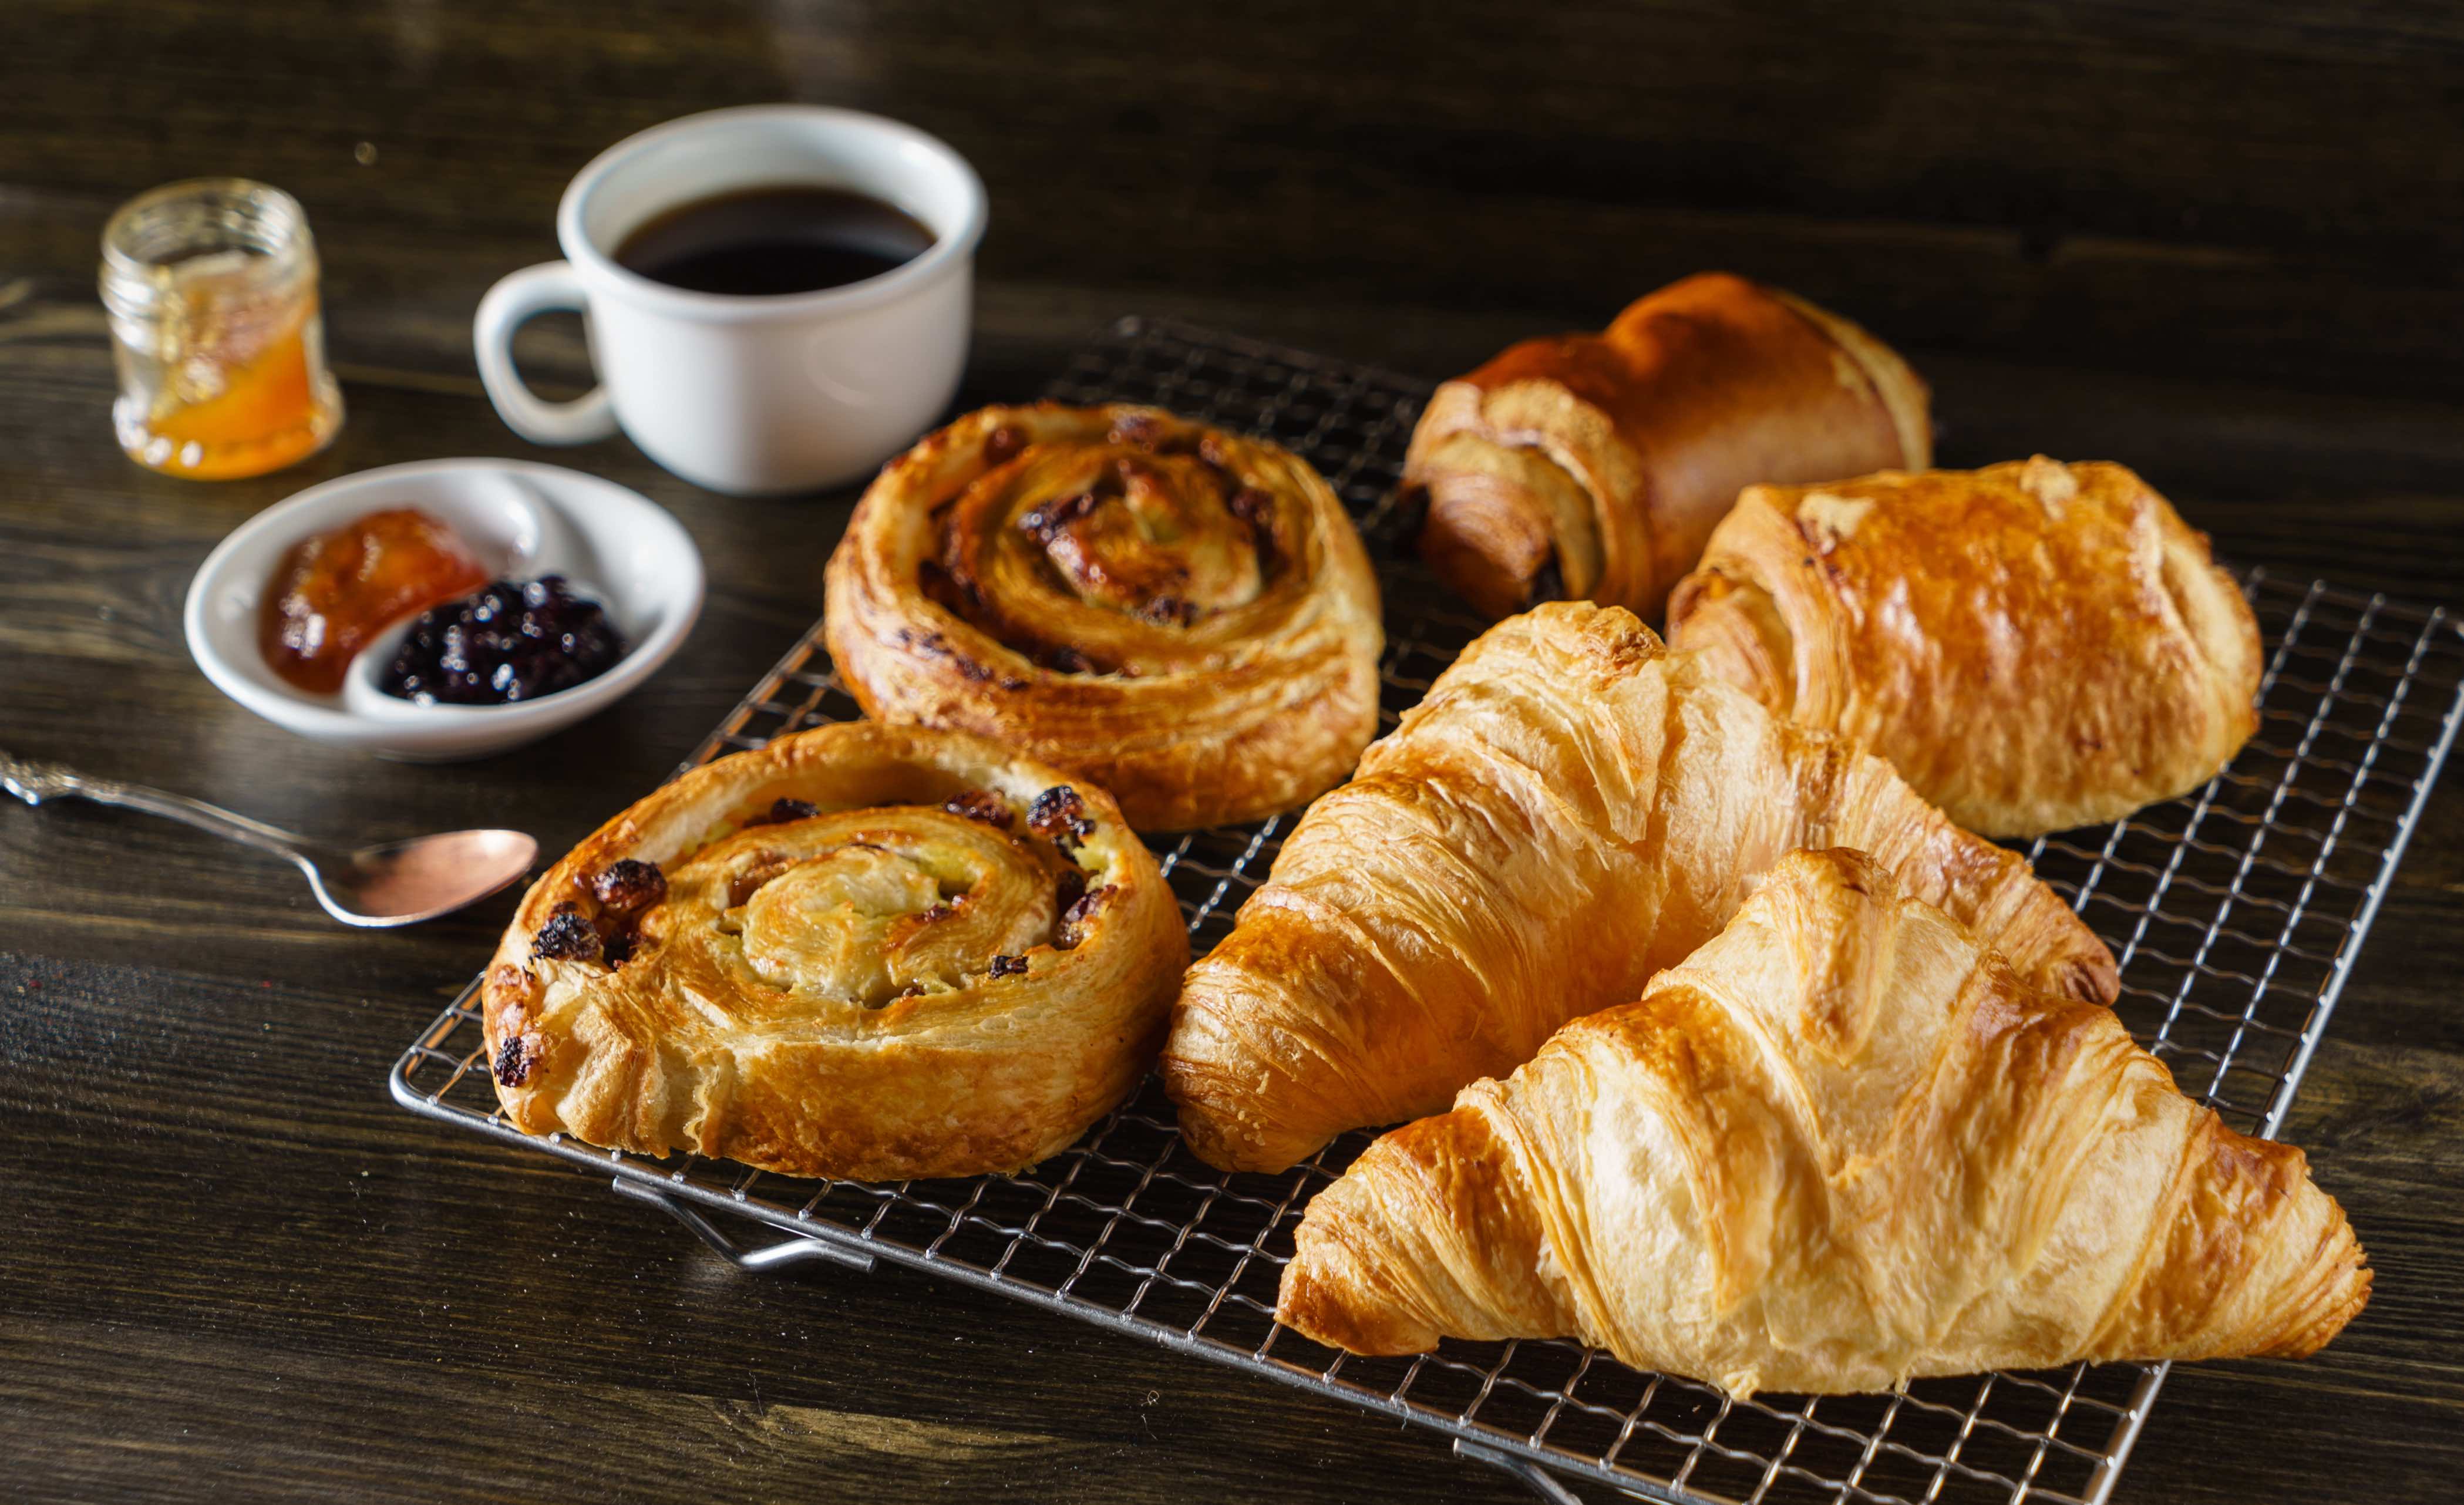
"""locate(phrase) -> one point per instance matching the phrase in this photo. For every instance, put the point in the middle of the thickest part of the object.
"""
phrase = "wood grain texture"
(2217, 242)
(2207, 187)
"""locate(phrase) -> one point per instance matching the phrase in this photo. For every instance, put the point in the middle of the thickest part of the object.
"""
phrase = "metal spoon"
(394, 883)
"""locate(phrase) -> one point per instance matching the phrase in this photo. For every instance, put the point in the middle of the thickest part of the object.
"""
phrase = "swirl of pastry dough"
(1179, 614)
(862, 951)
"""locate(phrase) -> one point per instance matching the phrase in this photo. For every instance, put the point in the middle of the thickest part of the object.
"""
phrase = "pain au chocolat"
(1591, 467)
(862, 951)
(1180, 614)
(2034, 646)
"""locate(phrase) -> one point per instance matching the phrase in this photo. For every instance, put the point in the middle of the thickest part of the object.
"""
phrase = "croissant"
(1181, 615)
(1593, 467)
(2034, 646)
(1568, 811)
(862, 951)
(1842, 1147)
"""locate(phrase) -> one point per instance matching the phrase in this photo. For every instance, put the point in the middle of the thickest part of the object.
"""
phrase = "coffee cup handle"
(509, 305)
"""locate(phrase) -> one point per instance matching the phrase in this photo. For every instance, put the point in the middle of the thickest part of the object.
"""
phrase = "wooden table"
(2216, 244)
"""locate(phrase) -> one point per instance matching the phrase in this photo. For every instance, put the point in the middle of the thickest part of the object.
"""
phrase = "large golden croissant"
(2034, 646)
(1842, 1147)
(1590, 467)
(861, 951)
(1182, 615)
(1568, 811)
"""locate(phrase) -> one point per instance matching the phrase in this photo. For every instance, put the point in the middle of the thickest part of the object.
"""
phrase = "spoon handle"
(36, 781)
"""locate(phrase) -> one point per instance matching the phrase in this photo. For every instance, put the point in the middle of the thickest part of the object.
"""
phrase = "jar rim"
(167, 224)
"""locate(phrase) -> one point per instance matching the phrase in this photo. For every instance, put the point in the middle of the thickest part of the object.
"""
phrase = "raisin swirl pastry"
(1179, 614)
(864, 951)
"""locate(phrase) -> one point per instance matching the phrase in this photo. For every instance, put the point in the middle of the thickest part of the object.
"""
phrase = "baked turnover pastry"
(1570, 809)
(1842, 1147)
(1180, 614)
(862, 951)
(2034, 646)
(1590, 467)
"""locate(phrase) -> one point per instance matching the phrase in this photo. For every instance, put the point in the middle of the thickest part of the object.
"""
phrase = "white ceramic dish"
(613, 545)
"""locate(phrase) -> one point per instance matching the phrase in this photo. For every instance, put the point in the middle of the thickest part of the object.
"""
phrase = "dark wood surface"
(2219, 242)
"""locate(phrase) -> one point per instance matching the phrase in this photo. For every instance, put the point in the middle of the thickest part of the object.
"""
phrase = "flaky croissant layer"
(1842, 1147)
(1570, 809)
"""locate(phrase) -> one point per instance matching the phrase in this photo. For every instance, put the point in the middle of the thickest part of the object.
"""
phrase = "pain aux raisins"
(982, 805)
(1004, 444)
(781, 812)
(747, 880)
(1169, 612)
(1060, 816)
(1143, 429)
(513, 1062)
(628, 884)
(1045, 524)
(1255, 507)
(1086, 904)
(1069, 933)
(567, 937)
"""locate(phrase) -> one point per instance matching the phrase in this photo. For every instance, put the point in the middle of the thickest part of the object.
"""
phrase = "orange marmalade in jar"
(212, 290)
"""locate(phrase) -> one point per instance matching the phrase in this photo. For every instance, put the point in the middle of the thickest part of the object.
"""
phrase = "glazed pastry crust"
(792, 1001)
(1593, 466)
(1568, 811)
(1202, 641)
(1842, 1147)
(2034, 646)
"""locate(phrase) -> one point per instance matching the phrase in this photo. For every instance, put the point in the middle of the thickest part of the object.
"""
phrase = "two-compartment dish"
(603, 562)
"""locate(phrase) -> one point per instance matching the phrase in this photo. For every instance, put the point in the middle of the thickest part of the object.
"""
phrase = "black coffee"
(757, 242)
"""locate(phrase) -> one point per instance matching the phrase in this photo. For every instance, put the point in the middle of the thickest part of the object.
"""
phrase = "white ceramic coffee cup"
(751, 395)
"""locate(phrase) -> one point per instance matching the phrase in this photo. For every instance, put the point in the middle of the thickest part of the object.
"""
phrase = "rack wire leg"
(798, 1249)
(1536, 1478)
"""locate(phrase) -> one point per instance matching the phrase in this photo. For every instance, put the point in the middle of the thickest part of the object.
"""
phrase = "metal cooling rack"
(2236, 914)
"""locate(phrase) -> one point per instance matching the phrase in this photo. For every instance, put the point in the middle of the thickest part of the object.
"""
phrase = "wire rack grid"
(2236, 914)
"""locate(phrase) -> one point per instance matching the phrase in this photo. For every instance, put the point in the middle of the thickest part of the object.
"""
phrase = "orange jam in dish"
(333, 591)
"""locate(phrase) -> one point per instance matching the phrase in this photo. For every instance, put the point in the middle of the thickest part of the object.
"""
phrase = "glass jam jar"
(210, 286)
